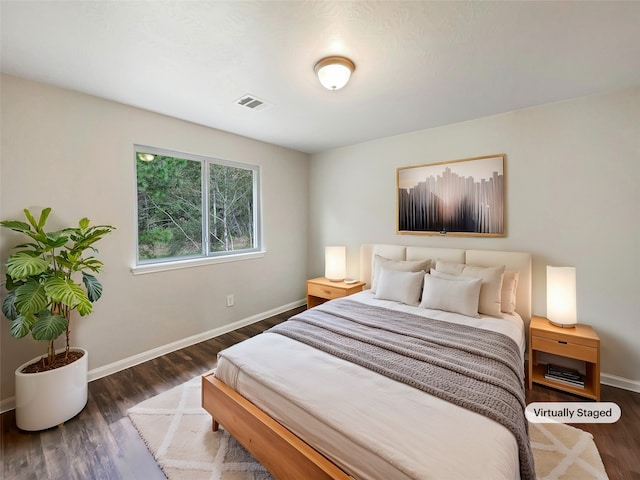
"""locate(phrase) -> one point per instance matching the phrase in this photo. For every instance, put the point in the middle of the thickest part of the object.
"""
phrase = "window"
(191, 207)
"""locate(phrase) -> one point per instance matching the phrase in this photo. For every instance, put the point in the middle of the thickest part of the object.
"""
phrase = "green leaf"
(84, 223)
(31, 219)
(39, 237)
(88, 237)
(32, 246)
(85, 308)
(91, 263)
(63, 261)
(13, 283)
(30, 298)
(15, 225)
(74, 255)
(56, 239)
(43, 218)
(49, 327)
(22, 325)
(68, 293)
(9, 306)
(25, 264)
(93, 285)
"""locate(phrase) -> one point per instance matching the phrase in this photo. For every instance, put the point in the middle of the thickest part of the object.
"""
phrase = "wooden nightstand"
(579, 343)
(319, 290)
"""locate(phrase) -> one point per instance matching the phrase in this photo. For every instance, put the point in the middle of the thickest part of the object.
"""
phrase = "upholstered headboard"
(486, 258)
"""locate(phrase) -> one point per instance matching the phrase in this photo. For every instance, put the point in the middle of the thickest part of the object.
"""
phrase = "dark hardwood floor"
(102, 443)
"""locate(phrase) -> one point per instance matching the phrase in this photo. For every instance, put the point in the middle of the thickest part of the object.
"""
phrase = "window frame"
(208, 256)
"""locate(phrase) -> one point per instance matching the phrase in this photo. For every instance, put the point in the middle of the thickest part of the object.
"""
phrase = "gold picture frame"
(460, 197)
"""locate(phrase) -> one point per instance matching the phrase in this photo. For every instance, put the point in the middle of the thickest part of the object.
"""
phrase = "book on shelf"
(565, 381)
(564, 375)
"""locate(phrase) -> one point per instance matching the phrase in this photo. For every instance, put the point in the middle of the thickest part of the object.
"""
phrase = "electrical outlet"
(230, 300)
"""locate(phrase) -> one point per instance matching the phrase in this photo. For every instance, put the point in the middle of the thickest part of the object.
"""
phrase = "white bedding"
(372, 426)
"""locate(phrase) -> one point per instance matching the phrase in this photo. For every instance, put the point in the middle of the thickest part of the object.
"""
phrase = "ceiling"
(418, 64)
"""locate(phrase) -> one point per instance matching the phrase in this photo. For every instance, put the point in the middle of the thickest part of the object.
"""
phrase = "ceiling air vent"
(252, 102)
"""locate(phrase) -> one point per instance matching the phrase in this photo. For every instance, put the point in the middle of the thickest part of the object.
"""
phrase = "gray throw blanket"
(476, 369)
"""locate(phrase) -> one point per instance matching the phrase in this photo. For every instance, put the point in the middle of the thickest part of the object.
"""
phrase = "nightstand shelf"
(320, 290)
(578, 343)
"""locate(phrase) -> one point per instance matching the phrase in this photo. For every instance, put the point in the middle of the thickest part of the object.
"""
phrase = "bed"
(312, 405)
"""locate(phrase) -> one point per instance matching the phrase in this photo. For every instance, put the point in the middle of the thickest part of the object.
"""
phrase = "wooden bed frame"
(286, 455)
(281, 452)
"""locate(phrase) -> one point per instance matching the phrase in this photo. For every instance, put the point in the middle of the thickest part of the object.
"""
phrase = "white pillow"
(404, 287)
(458, 296)
(447, 276)
(449, 267)
(491, 291)
(380, 262)
(509, 291)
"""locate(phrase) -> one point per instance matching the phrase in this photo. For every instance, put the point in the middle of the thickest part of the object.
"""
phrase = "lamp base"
(563, 325)
(336, 280)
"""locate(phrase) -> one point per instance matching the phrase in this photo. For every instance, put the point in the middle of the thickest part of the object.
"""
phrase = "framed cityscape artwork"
(459, 197)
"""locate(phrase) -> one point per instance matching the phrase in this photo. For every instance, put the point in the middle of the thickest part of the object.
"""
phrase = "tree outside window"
(174, 190)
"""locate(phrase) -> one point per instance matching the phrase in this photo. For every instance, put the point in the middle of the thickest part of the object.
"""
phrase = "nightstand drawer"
(565, 349)
(325, 291)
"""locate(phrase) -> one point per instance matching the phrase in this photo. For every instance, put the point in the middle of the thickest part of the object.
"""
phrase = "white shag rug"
(177, 431)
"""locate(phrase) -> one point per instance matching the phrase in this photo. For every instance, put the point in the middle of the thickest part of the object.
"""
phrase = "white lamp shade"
(561, 296)
(335, 263)
(334, 76)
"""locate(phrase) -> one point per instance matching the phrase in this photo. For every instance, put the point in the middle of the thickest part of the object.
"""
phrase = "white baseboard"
(9, 403)
(620, 382)
(100, 372)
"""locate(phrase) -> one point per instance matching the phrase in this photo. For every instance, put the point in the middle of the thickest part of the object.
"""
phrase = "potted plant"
(43, 291)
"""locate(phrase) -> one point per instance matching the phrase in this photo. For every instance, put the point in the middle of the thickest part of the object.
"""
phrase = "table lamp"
(335, 263)
(561, 296)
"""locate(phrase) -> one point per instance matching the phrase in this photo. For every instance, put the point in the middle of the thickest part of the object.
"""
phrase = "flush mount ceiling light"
(334, 72)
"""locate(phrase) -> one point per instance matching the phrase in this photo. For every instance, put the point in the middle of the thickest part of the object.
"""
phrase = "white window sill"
(195, 262)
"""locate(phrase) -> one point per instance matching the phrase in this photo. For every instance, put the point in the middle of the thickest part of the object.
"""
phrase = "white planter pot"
(47, 399)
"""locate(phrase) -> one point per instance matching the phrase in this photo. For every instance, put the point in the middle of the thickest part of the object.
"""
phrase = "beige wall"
(573, 198)
(74, 153)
